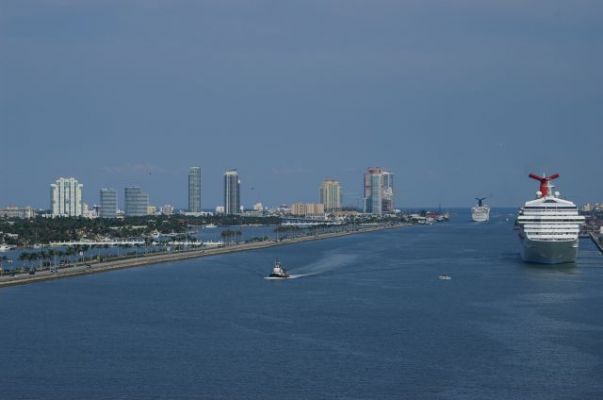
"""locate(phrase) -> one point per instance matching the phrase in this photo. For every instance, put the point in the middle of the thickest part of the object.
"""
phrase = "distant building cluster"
(66, 199)
(589, 207)
(16, 212)
(302, 209)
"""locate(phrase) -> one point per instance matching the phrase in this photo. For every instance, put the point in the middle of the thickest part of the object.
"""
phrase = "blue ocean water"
(368, 319)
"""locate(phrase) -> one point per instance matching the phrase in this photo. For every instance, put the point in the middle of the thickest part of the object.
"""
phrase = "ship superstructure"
(480, 212)
(549, 226)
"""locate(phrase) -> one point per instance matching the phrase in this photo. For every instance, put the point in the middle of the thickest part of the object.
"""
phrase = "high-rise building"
(330, 195)
(194, 189)
(66, 198)
(232, 192)
(108, 203)
(378, 191)
(387, 185)
(136, 201)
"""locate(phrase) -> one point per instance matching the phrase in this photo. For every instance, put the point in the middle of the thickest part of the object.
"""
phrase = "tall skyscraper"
(136, 201)
(108, 203)
(330, 195)
(194, 189)
(378, 191)
(66, 198)
(387, 186)
(232, 192)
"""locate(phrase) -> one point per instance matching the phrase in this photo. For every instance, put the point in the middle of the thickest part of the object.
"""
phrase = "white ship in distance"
(549, 226)
(480, 212)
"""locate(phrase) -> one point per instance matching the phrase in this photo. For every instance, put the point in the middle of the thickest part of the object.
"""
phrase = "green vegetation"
(27, 232)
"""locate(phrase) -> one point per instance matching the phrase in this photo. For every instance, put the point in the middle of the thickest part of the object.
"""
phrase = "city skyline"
(355, 202)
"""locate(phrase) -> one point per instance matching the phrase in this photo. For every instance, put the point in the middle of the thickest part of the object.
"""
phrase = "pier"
(595, 240)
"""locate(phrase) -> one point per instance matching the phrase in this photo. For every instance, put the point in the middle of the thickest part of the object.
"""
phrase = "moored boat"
(549, 226)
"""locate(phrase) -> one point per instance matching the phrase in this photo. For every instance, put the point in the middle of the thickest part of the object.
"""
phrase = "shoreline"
(595, 240)
(152, 259)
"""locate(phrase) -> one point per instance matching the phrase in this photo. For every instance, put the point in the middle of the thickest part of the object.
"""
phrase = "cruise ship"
(481, 212)
(549, 226)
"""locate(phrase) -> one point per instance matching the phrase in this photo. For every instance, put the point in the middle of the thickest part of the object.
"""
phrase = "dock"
(595, 240)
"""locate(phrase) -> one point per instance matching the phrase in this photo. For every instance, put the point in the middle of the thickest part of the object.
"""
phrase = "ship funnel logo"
(544, 183)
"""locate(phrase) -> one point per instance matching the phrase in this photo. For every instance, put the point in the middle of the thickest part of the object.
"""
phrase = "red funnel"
(544, 182)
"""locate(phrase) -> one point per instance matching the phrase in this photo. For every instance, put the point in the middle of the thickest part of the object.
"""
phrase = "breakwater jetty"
(150, 259)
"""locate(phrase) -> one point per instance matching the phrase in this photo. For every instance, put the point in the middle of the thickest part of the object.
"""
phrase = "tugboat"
(278, 271)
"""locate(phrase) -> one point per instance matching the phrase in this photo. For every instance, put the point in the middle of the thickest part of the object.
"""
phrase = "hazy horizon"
(457, 98)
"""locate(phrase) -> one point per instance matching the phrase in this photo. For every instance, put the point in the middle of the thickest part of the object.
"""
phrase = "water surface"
(368, 319)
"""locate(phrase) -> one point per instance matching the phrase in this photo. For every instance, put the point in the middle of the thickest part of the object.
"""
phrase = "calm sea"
(367, 319)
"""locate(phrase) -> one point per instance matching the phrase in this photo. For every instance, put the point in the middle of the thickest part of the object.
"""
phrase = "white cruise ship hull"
(480, 214)
(549, 252)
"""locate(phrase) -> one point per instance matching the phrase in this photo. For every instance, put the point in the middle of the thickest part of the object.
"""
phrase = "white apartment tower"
(66, 198)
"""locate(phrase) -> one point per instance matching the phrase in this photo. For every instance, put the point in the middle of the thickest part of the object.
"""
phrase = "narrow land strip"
(151, 259)
(596, 241)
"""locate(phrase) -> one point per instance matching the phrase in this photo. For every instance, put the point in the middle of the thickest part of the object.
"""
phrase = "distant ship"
(278, 271)
(549, 226)
(481, 212)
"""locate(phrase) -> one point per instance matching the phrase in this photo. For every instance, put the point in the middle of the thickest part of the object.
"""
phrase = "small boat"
(444, 277)
(278, 271)
(4, 247)
(210, 226)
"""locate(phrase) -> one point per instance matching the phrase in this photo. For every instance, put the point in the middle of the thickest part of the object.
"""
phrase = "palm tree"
(33, 256)
(23, 256)
(51, 254)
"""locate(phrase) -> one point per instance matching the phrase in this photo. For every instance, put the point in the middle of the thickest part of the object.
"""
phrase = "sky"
(457, 98)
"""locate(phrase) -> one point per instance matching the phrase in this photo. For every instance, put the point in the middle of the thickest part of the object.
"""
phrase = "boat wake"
(275, 278)
(327, 264)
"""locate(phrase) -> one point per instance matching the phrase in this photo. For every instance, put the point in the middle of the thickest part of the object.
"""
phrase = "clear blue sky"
(457, 98)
